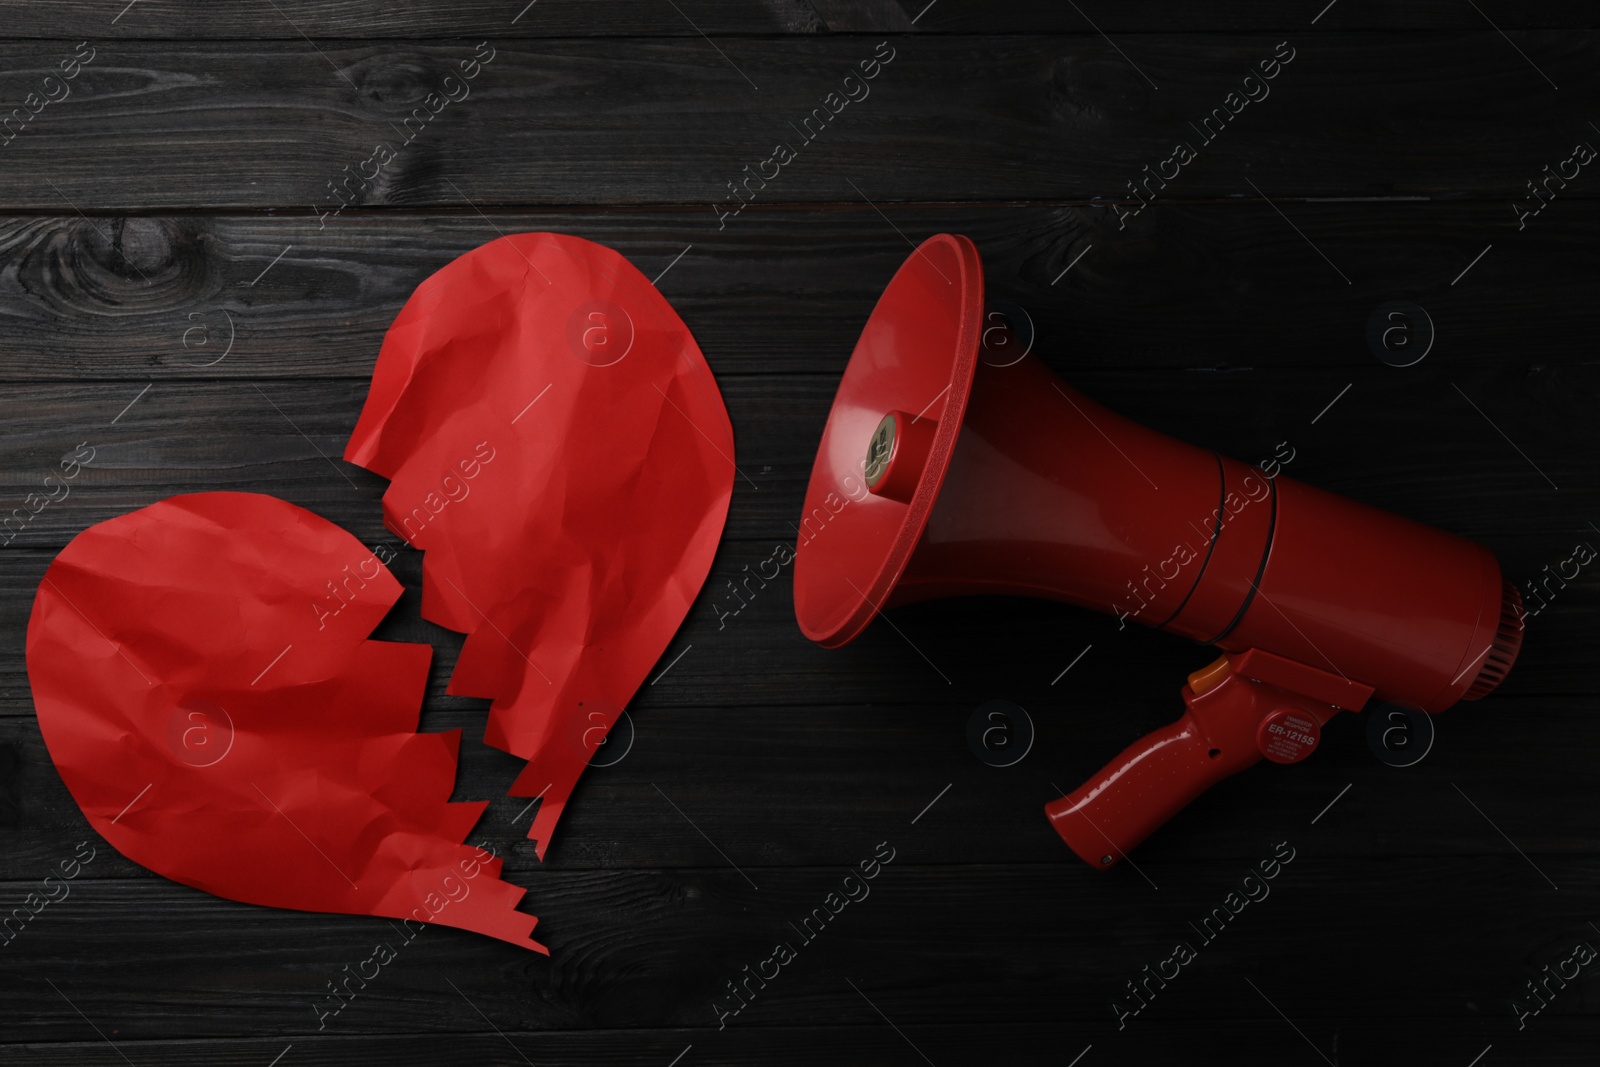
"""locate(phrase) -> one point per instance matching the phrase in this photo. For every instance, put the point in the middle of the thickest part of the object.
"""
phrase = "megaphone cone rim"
(881, 549)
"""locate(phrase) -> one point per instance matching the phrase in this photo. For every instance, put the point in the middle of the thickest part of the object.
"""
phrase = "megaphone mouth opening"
(888, 440)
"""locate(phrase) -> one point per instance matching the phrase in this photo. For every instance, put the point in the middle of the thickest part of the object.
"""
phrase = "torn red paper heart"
(556, 444)
(205, 684)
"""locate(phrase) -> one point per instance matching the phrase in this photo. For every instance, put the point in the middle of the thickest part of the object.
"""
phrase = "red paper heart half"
(205, 684)
(557, 445)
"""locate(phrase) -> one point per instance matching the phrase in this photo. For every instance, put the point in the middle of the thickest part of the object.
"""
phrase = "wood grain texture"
(655, 949)
(827, 774)
(169, 296)
(1559, 1042)
(1200, 288)
(328, 19)
(275, 124)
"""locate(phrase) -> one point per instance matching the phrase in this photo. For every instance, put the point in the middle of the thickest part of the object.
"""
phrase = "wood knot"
(94, 266)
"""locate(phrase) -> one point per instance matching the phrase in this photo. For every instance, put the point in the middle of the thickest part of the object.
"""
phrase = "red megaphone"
(941, 473)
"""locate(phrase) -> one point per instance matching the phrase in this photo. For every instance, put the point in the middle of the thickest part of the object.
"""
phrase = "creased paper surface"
(557, 446)
(205, 684)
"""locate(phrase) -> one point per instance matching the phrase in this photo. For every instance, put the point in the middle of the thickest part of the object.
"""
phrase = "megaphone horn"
(942, 474)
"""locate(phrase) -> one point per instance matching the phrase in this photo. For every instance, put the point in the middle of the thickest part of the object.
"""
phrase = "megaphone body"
(988, 474)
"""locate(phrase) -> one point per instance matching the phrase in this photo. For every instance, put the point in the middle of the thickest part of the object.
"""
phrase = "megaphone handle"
(1225, 728)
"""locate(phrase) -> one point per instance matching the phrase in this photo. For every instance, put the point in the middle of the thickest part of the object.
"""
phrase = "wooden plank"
(1562, 1042)
(1015, 945)
(1557, 1042)
(1198, 288)
(1246, 16)
(332, 19)
(843, 1046)
(782, 782)
(297, 20)
(276, 124)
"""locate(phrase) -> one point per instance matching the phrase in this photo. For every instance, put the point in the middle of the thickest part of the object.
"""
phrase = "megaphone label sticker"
(1288, 736)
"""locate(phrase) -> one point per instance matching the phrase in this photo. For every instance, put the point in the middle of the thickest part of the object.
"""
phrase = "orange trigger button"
(1210, 676)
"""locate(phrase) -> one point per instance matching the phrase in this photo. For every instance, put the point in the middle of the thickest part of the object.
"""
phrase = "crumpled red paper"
(557, 446)
(205, 685)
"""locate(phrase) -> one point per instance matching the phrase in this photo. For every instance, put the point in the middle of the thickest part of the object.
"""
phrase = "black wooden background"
(165, 207)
